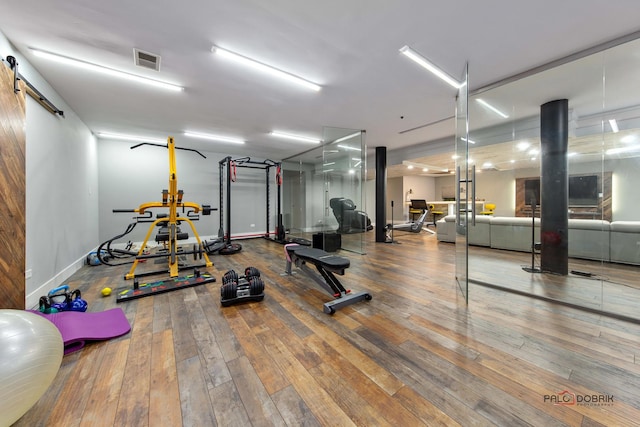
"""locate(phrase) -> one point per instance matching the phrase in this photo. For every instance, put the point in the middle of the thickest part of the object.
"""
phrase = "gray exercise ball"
(31, 351)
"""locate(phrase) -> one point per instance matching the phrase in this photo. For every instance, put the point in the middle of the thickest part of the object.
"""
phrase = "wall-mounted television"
(532, 192)
(583, 190)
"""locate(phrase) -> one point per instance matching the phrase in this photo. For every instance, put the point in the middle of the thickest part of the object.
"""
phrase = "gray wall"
(62, 188)
(129, 178)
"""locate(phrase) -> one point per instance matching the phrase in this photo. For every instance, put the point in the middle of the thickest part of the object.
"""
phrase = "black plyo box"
(329, 242)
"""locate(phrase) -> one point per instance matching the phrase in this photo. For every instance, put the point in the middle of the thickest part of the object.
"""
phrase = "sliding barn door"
(12, 192)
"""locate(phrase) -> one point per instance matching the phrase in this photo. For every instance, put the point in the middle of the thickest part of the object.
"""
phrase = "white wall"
(395, 194)
(625, 197)
(62, 188)
(498, 188)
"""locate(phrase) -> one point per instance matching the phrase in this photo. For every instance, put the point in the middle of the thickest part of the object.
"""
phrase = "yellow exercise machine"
(169, 234)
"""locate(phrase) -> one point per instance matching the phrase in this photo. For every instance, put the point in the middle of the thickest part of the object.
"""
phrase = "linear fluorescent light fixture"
(346, 147)
(423, 62)
(623, 149)
(121, 137)
(264, 68)
(105, 70)
(213, 137)
(344, 138)
(614, 125)
(294, 137)
(492, 108)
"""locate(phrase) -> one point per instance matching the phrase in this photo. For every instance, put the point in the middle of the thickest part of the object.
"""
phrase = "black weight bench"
(328, 265)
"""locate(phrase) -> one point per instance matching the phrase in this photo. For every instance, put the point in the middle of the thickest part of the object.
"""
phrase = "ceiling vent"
(146, 59)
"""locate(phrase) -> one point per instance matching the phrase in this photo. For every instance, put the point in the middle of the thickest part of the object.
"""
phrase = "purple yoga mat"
(78, 327)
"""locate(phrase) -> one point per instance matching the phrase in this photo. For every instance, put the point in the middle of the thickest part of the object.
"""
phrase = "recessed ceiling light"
(425, 63)
(627, 139)
(487, 164)
(294, 137)
(267, 69)
(523, 145)
(122, 137)
(213, 137)
(104, 70)
(492, 108)
(410, 167)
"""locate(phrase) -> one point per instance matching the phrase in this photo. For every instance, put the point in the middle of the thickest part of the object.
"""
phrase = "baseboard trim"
(33, 299)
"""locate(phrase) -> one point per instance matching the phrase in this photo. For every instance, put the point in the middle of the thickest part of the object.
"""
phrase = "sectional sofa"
(617, 241)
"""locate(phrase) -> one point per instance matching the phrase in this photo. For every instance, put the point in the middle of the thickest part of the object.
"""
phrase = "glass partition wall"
(558, 155)
(323, 192)
(463, 186)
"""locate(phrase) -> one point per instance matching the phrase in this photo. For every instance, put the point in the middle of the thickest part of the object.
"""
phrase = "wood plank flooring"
(414, 355)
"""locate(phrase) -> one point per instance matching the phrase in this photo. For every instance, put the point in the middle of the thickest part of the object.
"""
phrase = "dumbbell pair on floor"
(235, 286)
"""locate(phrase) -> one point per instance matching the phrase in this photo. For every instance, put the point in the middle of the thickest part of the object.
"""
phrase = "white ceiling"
(350, 48)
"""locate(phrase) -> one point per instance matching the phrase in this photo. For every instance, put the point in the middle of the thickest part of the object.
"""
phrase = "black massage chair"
(349, 219)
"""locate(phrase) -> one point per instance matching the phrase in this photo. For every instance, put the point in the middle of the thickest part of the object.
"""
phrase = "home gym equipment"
(349, 219)
(165, 285)
(61, 299)
(388, 238)
(533, 268)
(168, 234)
(30, 356)
(226, 180)
(327, 266)
(107, 255)
(79, 328)
(235, 289)
(415, 226)
(329, 242)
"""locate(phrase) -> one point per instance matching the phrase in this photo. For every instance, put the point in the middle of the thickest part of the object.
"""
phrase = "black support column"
(381, 193)
(554, 187)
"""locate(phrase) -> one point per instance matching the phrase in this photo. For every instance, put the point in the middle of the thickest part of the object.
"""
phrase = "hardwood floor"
(414, 355)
